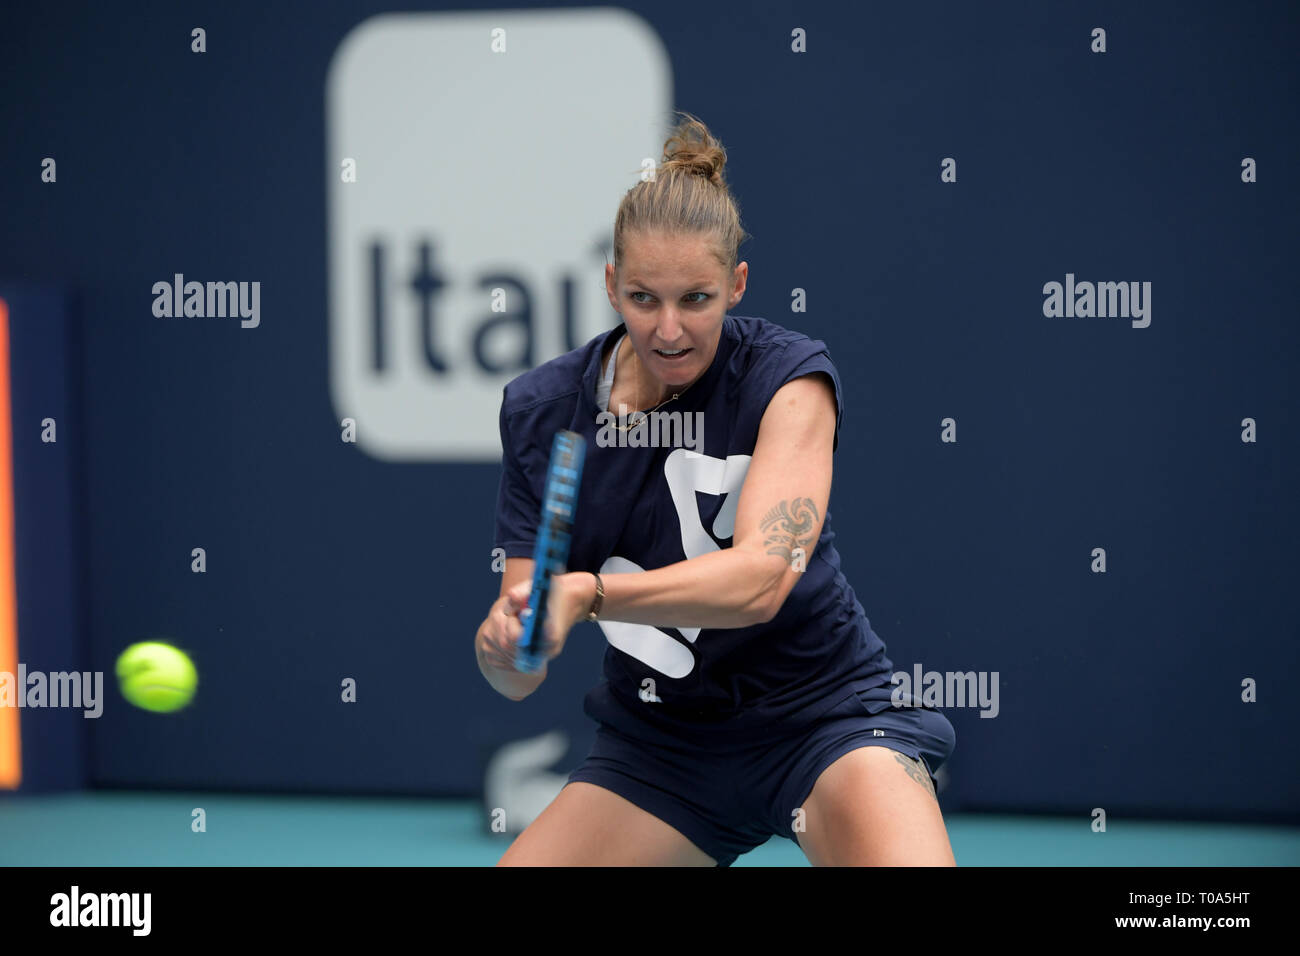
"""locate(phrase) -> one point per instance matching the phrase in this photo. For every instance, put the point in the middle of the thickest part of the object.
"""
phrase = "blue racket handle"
(527, 661)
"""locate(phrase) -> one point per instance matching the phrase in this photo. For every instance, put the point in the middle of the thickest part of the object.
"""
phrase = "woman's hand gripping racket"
(551, 551)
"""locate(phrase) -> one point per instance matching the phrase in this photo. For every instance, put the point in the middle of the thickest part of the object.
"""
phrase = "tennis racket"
(560, 499)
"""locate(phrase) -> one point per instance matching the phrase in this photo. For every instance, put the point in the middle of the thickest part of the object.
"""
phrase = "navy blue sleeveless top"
(641, 508)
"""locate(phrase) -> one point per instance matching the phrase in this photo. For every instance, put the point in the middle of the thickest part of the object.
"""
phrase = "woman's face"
(673, 294)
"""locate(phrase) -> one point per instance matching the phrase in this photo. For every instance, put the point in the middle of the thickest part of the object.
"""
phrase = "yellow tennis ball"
(156, 676)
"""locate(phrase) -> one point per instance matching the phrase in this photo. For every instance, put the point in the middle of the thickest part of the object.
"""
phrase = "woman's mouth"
(672, 355)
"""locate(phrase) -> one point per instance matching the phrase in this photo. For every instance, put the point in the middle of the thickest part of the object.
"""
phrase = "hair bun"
(687, 196)
(693, 149)
(703, 165)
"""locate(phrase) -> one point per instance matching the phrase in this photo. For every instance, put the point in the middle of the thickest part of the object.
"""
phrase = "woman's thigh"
(587, 825)
(874, 806)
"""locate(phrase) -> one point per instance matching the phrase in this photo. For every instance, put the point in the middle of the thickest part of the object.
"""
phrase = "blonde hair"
(688, 196)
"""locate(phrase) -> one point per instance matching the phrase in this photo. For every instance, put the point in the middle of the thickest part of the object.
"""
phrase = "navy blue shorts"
(729, 799)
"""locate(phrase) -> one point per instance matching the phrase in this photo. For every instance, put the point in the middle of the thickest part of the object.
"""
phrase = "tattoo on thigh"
(916, 772)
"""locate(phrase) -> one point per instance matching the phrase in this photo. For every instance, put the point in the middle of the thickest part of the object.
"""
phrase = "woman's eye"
(633, 296)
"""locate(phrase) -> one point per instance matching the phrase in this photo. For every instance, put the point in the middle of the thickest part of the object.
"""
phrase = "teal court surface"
(124, 828)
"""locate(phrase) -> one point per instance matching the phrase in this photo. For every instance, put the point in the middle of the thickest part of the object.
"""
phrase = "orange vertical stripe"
(11, 766)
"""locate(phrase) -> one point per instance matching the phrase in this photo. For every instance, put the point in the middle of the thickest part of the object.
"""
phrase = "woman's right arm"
(499, 634)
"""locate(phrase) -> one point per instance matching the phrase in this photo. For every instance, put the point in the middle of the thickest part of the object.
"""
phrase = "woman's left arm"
(778, 522)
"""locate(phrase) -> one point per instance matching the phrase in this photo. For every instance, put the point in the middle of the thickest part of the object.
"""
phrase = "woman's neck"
(647, 391)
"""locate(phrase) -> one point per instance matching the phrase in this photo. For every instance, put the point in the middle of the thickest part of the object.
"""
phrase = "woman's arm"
(781, 510)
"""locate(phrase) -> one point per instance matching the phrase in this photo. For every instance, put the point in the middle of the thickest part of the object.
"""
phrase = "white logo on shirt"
(686, 472)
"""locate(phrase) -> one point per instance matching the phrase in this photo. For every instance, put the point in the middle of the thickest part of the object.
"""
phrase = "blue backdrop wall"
(1161, 160)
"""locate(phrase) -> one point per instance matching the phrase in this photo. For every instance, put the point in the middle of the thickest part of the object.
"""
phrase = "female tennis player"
(744, 693)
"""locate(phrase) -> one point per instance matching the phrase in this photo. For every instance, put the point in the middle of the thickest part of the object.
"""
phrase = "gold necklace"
(645, 415)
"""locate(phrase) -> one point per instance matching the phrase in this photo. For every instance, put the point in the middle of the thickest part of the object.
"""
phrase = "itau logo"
(474, 164)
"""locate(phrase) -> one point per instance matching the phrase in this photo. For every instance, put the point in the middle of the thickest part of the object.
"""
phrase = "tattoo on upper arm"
(790, 525)
(916, 772)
